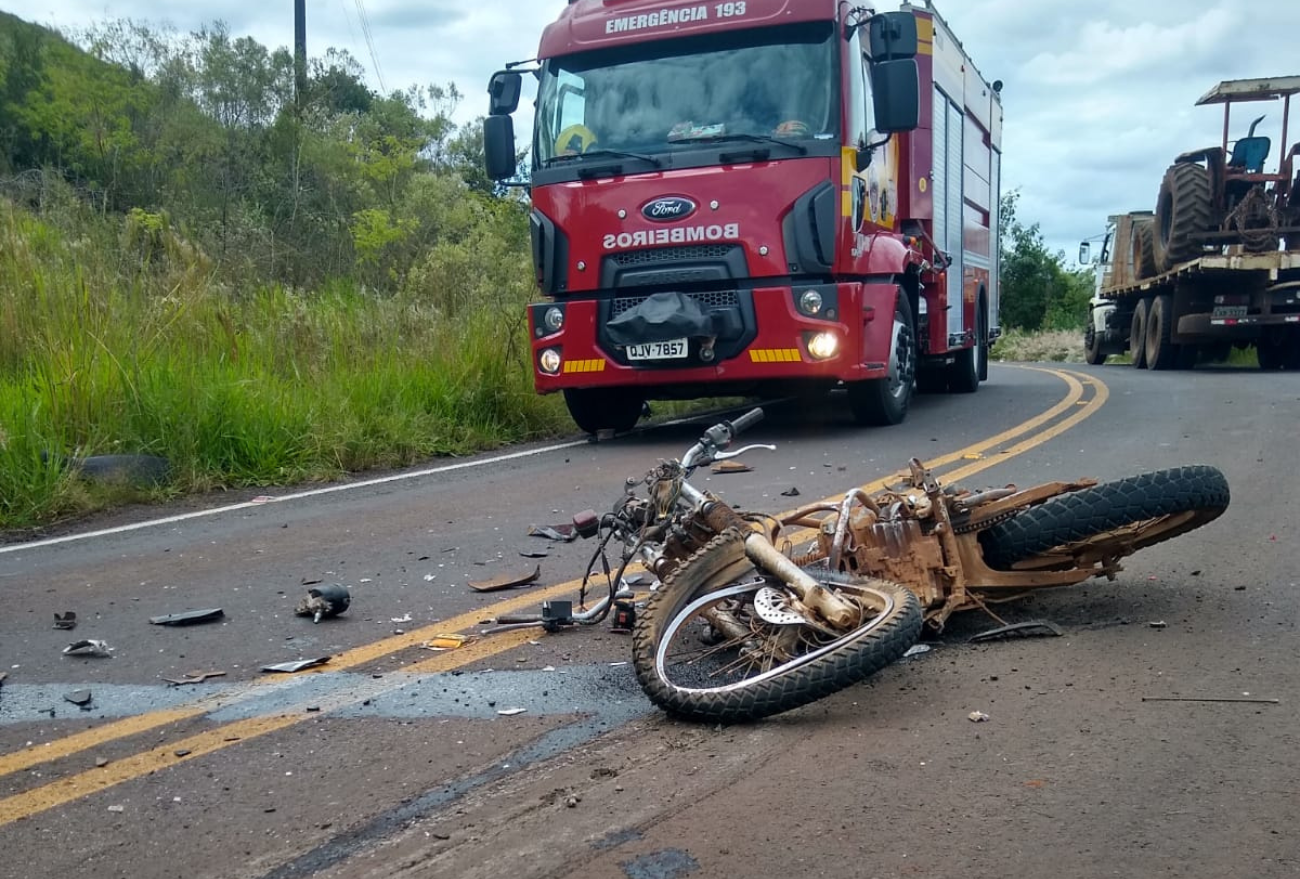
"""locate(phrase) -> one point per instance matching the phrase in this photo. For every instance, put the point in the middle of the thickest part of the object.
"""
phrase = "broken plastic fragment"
(977, 717)
(790, 492)
(88, 647)
(404, 618)
(78, 697)
(563, 533)
(324, 601)
(299, 665)
(731, 467)
(917, 650)
(65, 620)
(446, 642)
(188, 618)
(507, 581)
(194, 677)
(511, 712)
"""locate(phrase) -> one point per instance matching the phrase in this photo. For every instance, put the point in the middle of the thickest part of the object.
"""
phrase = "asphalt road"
(393, 760)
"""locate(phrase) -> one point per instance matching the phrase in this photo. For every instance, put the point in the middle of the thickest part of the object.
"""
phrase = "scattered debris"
(80, 698)
(88, 647)
(299, 665)
(572, 802)
(404, 618)
(188, 618)
(507, 581)
(117, 808)
(306, 582)
(563, 533)
(534, 553)
(66, 621)
(977, 717)
(1210, 699)
(790, 492)
(1158, 624)
(323, 602)
(511, 712)
(917, 650)
(446, 642)
(101, 762)
(731, 467)
(3, 675)
(194, 677)
(182, 752)
(1028, 629)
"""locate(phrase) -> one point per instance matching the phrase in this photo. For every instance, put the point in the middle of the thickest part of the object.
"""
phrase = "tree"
(1038, 291)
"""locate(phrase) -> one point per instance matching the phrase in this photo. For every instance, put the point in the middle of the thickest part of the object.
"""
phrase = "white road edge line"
(316, 492)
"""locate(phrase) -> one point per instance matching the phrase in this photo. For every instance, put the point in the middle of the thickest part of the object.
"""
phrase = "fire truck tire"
(964, 373)
(596, 409)
(1078, 516)
(1144, 257)
(1161, 352)
(736, 690)
(1137, 337)
(1184, 208)
(884, 401)
(982, 362)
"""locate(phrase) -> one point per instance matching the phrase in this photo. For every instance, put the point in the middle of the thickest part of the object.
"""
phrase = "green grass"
(107, 346)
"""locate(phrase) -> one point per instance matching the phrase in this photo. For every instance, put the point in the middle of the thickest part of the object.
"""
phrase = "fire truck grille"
(711, 299)
(688, 253)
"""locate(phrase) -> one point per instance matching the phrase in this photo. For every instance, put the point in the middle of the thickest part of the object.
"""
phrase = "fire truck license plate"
(672, 349)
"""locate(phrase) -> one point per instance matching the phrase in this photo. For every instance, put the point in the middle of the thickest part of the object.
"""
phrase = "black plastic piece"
(809, 230)
(550, 253)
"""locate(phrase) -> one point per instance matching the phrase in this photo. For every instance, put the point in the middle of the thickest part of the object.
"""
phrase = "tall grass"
(116, 336)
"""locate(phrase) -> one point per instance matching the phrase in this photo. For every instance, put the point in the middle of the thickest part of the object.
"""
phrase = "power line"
(370, 44)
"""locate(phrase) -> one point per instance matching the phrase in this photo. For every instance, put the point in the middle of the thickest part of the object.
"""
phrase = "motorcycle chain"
(985, 523)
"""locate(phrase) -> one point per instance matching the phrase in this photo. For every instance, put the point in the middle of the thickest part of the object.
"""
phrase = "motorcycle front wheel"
(719, 641)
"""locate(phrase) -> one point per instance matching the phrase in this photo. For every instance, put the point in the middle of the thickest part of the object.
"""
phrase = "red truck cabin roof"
(599, 24)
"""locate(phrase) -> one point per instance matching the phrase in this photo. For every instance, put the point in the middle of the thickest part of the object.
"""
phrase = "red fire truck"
(756, 197)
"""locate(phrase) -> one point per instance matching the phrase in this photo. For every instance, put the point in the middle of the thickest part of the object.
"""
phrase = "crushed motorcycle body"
(756, 614)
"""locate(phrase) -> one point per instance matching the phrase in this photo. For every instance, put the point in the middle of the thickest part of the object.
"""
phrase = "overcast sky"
(1098, 96)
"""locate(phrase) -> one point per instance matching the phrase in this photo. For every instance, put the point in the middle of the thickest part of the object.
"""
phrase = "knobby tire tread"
(1079, 515)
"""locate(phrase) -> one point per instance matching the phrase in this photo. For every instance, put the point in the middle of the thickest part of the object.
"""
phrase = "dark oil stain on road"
(671, 863)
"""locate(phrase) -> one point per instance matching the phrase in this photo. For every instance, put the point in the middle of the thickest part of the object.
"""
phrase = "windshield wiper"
(751, 138)
(604, 153)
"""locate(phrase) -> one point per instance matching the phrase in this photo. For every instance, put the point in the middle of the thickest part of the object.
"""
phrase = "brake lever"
(722, 456)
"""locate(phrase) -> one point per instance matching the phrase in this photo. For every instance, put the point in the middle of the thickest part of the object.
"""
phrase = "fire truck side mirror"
(893, 36)
(1085, 253)
(503, 92)
(499, 147)
(896, 94)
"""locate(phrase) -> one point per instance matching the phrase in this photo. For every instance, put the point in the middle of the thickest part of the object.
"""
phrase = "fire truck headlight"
(549, 361)
(810, 302)
(553, 319)
(823, 346)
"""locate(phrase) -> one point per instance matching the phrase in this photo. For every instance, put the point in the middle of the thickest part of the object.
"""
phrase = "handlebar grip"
(746, 421)
(508, 619)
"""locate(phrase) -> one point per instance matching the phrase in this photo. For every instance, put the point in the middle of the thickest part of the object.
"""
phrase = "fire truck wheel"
(596, 409)
(964, 373)
(884, 401)
(982, 359)
(1137, 337)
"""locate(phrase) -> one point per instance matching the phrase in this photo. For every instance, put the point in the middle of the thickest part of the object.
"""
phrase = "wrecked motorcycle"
(756, 614)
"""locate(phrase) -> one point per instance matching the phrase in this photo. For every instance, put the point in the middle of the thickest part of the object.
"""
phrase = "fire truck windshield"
(664, 96)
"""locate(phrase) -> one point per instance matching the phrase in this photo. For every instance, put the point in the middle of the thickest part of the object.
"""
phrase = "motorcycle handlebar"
(746, 421)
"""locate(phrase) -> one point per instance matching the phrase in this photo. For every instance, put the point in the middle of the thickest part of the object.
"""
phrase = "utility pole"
(300, 53)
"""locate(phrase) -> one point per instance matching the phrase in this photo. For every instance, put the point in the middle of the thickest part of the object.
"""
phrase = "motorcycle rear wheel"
(692, 669)
(1114, 519)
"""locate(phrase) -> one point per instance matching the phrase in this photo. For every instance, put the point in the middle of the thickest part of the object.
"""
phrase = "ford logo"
(668, 209)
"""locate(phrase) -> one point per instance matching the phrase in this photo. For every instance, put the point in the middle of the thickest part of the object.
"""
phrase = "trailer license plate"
(1230, 311)
(672, 349)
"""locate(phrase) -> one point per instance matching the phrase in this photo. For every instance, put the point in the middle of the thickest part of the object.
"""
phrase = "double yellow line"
(124, 769)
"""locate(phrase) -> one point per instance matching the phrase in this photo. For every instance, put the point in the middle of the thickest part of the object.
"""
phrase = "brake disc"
(774, 607)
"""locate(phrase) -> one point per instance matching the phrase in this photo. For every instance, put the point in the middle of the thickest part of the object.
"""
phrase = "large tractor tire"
(1143, 243)
(1184, 208)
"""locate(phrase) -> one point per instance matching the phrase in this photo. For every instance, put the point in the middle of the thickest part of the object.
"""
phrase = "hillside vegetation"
(193, 267)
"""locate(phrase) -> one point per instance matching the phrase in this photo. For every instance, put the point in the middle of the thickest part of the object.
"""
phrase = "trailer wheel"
(884, 401)
(596, 409)
(1278, 350)
(1137, 336)
(1161, 352)
(1144, 258)
(1184, 208)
